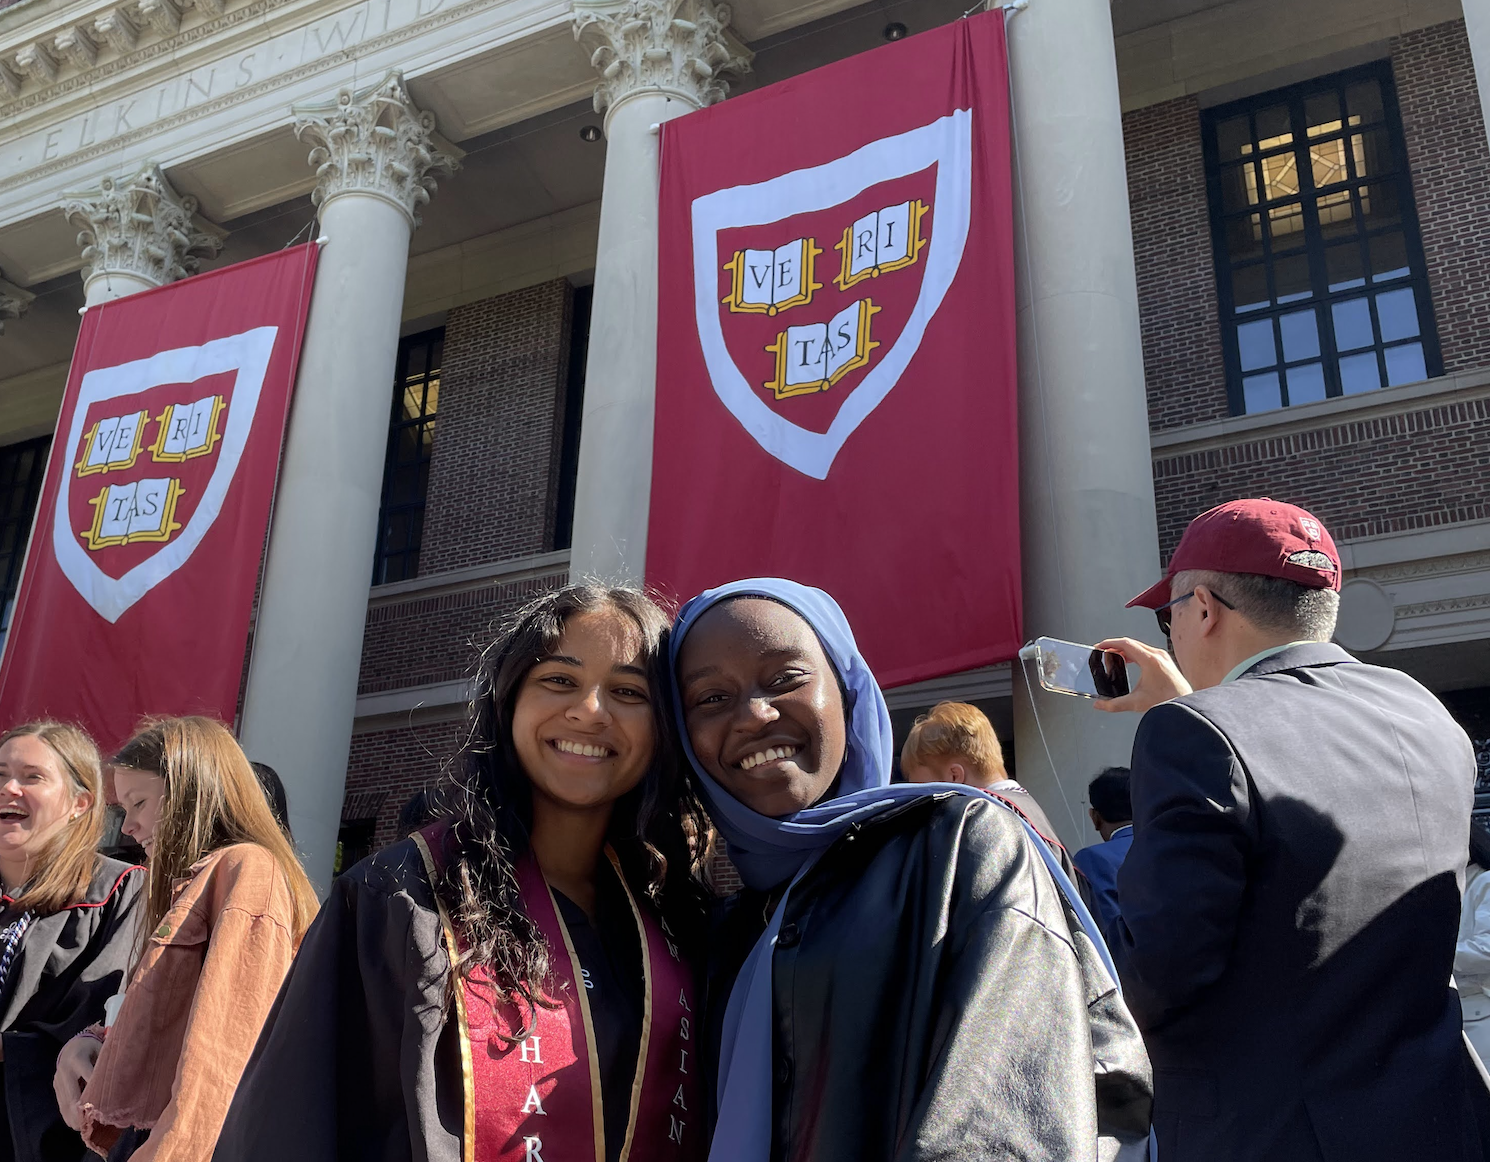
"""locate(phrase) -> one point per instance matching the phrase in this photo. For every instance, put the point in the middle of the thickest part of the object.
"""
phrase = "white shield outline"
(947, 142)
(248, 354)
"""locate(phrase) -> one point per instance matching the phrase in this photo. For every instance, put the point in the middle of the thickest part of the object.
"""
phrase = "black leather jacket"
(931, 1001)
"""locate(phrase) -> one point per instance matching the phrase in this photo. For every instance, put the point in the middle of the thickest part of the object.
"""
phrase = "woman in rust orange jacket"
(227, 904)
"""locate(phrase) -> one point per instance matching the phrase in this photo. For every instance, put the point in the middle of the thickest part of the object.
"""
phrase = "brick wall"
(1182, 358)
(1450, 160)
(1416, 470)
(436, 639)
(492, 485)
(390, 765)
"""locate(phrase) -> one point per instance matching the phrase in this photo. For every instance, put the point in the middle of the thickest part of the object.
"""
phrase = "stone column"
(137, 234)
(375, 155)
(1087, 495)
(1477, 25)
(657, 59)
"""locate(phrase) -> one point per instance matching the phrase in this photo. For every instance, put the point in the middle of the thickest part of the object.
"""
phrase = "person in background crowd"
(511, 983)
(955, 743)
(1291, 897)
(227, 905)
(1472, 954)
(419, 810)
(1112, 815)
(274, 791)
(67, 929)
(900, 977)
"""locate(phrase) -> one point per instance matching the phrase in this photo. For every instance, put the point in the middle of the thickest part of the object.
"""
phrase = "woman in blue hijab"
(901, 978)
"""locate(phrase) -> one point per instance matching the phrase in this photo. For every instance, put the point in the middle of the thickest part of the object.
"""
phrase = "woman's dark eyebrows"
(562, 659)
(629, 669)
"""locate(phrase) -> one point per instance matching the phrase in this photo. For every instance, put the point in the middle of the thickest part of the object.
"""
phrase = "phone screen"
(1069, 668)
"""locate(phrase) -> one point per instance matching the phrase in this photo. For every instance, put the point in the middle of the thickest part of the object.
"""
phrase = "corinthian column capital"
(374, 141)
(677, 48)
(140, 228)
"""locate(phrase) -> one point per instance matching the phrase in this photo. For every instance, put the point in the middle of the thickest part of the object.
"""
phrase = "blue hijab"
(769, 852)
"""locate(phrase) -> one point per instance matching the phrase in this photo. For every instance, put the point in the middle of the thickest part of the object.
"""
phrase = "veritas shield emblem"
(814, 289)
(152, 451)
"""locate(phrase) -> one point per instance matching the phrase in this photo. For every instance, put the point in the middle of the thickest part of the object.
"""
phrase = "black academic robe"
(358, 1060)
(69, 964)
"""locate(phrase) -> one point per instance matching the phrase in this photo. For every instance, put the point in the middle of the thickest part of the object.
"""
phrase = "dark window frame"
(420, 357)
(19, 497)
(1321, 298)
(574, 406)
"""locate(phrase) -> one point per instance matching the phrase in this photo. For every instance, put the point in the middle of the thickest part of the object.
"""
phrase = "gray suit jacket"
(1290, 906)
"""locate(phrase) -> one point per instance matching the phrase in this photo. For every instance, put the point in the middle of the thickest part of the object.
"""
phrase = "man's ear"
(956, 773)
(1210, 608)
(1096, 817)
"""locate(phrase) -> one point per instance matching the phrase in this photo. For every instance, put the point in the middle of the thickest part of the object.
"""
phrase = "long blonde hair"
(213, 800)
(67, 866)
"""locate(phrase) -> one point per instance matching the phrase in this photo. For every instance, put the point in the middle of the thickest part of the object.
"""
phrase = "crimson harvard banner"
(836, 364)
(140, 576)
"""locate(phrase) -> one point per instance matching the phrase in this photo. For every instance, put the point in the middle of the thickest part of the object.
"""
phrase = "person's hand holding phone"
(1159, 679)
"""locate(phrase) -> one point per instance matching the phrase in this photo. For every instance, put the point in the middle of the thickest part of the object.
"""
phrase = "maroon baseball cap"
(1253, 536)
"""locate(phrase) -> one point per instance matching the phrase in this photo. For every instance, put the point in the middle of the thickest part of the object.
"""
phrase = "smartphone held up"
(1078, 670)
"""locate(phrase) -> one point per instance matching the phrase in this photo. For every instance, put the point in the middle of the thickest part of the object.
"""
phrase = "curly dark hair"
(657, 830)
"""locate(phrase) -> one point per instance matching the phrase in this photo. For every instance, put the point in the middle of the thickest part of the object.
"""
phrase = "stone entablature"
(220, 83)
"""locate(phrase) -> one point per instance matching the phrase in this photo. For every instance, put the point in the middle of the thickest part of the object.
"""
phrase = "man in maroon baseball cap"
(1290, 901)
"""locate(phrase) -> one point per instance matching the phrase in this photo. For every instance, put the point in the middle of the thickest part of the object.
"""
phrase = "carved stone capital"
(163, 15)
(141, 227)
(118, 29)
(37, 62)
(77, 46)
(10, 80)
(375, 141)
(13, 302)
(678, 48)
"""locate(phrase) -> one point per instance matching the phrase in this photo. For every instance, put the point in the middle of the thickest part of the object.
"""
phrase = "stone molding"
(676, 48)
(14, 302)
(141, 227)
(374, 141)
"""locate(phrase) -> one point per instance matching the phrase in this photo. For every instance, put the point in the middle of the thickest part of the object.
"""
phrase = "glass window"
(1321, 275)
(22, 467)
(411, 447)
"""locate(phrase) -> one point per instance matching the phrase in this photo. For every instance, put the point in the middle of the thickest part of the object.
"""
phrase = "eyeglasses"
(1166, 618)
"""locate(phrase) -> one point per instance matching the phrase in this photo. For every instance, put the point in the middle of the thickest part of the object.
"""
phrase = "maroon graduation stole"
(539, 1099)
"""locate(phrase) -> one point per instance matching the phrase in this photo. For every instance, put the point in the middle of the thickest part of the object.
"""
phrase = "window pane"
(1336, 215)
(1238, 187)
(1280, 176)
(1261, 393)
(1273, 126)
(1397, 314)
(1405, 364)
(1389, 257)
(1379, 205)
(1292, 278)
(1234, 138)
(1300, 338)
(1287, 225)
(411, 401)
(1327, 161)
(1353, 326)
(1322, 112)
(1343, 263)
(1306, 383)
(1255, 344)
(1244, 238)
(1363, 100)
(1359, 373)
(1249, 288)
(1371, 151)
(432, 396)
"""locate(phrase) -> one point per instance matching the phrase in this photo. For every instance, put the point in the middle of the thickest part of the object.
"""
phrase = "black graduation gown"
(68, 966)
(357, 1060)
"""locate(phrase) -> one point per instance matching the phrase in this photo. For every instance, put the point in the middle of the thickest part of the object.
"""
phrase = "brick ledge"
(1386, 401)
(472, 577)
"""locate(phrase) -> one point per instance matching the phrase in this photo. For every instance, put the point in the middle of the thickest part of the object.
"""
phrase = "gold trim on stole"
(641, 1056)
(577, 973)
(467, 1071)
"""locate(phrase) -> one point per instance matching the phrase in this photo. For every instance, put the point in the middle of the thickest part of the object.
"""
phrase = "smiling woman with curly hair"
(514, 981)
